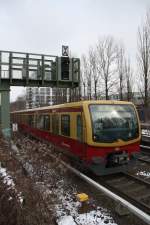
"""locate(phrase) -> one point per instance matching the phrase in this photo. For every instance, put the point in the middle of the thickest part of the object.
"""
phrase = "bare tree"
(107, 53)
(144, 58)
(86, 77)
(90, 75)
(89, 78)
(121, 70)
(19, 104)
(94, 69)
(83, 81)
(128, 79)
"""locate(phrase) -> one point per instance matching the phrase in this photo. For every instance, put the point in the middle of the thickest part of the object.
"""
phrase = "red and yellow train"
(103, 136)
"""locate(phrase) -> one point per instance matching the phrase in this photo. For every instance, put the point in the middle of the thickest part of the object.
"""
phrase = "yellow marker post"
(82, 197)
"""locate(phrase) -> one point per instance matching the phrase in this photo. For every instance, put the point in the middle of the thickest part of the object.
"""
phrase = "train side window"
(40, 122)
(55, 124)
(79, 128)
(25, 119)
(65, 125)
(30, 120)
(46, 122)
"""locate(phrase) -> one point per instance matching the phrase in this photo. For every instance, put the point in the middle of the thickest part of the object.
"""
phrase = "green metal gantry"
(31, 70)
(5, 110)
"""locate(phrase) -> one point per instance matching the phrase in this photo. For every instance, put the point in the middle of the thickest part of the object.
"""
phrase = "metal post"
(0, 67)
(57, 77)
(5, 112)
(79, 75)
(38, 70)
(27, 69)
(10, 67)
(72, 71)
(43, 70)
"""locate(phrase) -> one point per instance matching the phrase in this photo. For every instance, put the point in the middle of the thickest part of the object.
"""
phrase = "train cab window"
(111, 123)
(79, 128)
(55, 124)
(65, 125)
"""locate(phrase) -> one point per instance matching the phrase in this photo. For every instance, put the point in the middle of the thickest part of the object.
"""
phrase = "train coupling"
(119, 159)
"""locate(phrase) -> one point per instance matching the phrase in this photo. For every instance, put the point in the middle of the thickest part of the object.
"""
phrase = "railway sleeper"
(144, 196)
(116, 180)
(121, 210)
(126, 184)
(137, 189)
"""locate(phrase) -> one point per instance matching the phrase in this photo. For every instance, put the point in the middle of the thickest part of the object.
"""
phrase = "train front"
(113, 137)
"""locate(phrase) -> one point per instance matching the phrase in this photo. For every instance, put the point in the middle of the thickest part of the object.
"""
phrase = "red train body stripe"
(78, 149)
(103, 152)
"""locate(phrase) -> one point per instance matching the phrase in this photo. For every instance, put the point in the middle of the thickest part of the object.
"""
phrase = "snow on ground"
(67, 220)
(144, 174)
(91, 218)
(7, 180)
(67, 211)
(145, 132)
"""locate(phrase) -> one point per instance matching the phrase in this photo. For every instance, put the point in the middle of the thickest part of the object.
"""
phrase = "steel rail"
(128, 196)
(145, 135)
(144, 160)
(139, 180)
(136, 211)
(144, 146)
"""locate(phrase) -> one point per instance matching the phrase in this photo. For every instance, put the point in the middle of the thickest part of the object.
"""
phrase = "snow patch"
(145, 132)
(92, 218)
(7, 179)
(66, 220)
(143, 173)
(67, 211)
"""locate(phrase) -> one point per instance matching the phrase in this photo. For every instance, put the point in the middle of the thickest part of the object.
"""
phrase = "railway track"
(128, 190)
(131, 188)
(145, 150)
(145, 158)
(145, 140)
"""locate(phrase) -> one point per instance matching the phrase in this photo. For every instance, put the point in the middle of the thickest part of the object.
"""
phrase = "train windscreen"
(111, 123)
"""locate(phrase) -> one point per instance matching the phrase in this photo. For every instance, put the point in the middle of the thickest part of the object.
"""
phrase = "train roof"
(75, 104)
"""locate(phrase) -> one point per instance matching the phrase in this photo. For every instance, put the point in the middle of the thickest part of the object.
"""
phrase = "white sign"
(65, 50)
(15, 127)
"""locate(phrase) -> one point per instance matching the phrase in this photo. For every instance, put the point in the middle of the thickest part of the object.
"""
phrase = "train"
(102, 136)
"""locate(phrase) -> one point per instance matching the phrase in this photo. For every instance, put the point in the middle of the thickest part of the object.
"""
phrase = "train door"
(80, 136)
(79, 126)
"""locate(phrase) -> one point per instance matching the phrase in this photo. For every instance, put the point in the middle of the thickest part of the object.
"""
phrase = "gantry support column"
(5, 111)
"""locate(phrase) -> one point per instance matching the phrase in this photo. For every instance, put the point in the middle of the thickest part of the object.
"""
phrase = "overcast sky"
(43, 26)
